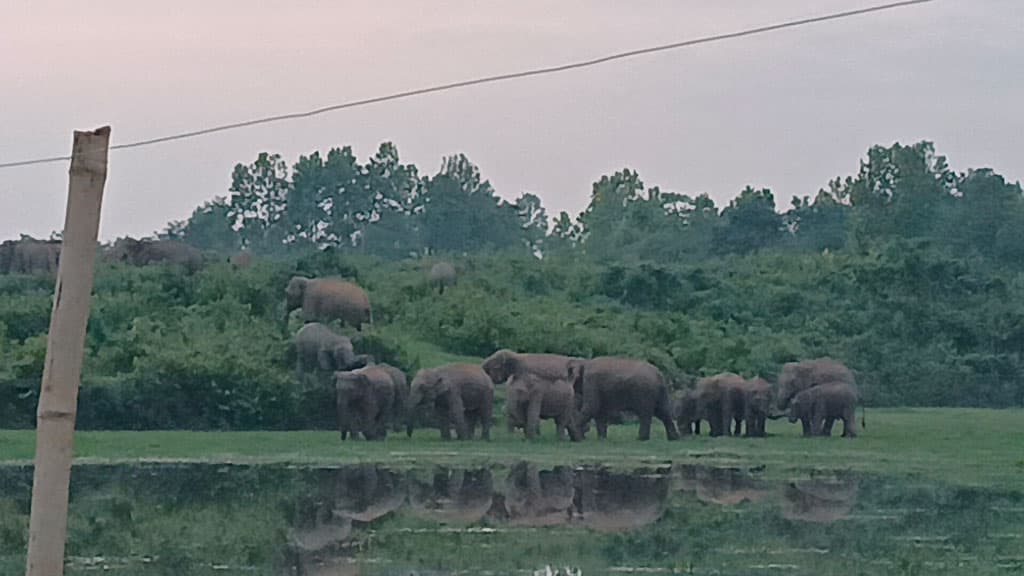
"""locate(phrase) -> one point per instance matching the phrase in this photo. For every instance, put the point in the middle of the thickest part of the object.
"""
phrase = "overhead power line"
(486, 80)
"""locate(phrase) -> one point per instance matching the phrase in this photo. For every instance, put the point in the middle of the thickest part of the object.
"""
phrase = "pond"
(517, 518)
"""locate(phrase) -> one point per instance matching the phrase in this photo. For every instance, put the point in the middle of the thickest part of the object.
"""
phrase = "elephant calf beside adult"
(818, 407)
(610, 385)
(327, 299)
(539, 387)
(728, 401)
(462, 395)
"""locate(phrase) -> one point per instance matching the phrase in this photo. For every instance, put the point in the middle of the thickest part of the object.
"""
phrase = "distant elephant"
(539, 387)
(461, 394)
(720, 401)
(818, 407)
(441, 276)
(366, 492)
(29, 256)
(685, 413)
(798, 376)
(368, 399)
(455, 496)
(611, 384)
(145, 252)
(326, 299)
(318, 348)
(757, 404)
(241, 259)
(820, 500)
(538, 497)
(619, 502)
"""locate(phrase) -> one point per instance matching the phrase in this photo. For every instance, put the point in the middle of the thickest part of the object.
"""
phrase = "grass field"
(965, 447)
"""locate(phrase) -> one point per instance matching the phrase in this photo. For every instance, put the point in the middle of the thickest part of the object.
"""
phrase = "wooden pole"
(58, 396)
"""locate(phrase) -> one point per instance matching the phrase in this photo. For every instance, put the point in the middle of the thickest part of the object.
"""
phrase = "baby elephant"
(318, 348)
(818, 407)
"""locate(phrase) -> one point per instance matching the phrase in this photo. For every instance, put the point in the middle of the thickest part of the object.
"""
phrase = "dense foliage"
(909, 272)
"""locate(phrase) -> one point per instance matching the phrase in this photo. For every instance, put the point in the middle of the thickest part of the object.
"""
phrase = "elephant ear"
(576, 367)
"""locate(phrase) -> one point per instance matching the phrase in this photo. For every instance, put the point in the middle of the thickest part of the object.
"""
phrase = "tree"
(259, 196)
(750, 223)
(208, 228)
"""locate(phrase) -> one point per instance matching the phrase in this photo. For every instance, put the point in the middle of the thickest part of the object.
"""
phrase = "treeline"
(907, 272)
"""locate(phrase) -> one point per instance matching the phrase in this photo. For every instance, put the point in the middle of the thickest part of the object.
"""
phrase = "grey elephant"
(442, 275)
(721, 400)
(798, 376)
(757, 406)
(619, 502)
(609, 385)
(539, 386)
(368, 399)
(535, 497)
(146, 251)
(462, 395)
(327, 299)
(318, 348)
(818, 407)
(685, 412)
(452, 496)
(29, 256)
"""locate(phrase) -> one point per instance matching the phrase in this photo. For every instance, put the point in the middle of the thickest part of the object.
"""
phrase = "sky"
(787, 110)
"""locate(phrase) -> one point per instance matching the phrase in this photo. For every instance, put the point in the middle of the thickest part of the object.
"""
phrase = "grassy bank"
(960, 446)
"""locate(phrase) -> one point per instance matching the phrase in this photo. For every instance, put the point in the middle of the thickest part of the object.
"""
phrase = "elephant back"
(330, 298)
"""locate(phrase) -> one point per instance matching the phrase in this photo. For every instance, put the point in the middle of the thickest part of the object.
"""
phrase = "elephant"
(619, 502)
(366, 492)
(241, 260)
(610, 384)
(757, 403)
(798, 376)
(441, 276)
(820, 500)
(452, 496)
(326, 299)
(539, 387)
(818, 407)
(685, 413)
(29, 256)
(461, 394)
(720, 402)
(317, 347)
(368, 399)
(559, 404)
(145, 252)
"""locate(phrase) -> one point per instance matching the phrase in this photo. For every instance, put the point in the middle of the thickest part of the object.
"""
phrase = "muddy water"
(369, 519)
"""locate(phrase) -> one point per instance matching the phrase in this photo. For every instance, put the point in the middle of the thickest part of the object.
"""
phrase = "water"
(369, 519)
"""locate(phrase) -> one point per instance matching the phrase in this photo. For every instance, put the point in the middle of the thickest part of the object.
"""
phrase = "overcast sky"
(788, 110)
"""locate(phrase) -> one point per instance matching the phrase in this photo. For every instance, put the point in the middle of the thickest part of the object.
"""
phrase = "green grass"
(970, 447)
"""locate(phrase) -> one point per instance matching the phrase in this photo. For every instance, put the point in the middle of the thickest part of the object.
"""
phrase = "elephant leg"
(817, 419)
(805, 422)
(645, 427)
(850, 422)
(696, 427)
(444, 424)
(738, 429)
(664, 413)
(826, 429)
(602, 427)
(457, 414)
(533, 416)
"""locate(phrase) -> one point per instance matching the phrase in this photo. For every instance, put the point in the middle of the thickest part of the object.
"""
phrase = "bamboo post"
(58, 396)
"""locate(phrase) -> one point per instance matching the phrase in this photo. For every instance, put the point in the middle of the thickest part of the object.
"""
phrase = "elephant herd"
(373, 398)
(29, 256)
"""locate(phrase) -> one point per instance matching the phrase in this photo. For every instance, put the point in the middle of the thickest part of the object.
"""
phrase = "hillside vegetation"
(908, 272)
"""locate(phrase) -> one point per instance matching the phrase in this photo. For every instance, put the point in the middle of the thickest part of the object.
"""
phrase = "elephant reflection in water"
(535, 497)
(452, 496)
(367, 492)
(316, 535)
(722, 486)
(616, 502)
(820, 500)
